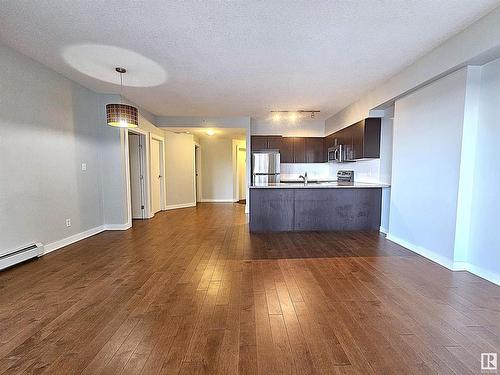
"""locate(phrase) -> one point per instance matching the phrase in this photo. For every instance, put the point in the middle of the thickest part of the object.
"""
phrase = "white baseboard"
(72, 239)
(117, 226)
(445, 262)
(478, 271)
(182, 205)
(384, 230)
(429, 254)
(217, 200)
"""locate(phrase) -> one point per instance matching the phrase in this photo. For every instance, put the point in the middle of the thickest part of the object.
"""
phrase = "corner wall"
(428, 126)
(484, 240)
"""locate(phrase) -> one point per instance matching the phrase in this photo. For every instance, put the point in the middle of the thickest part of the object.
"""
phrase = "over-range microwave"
(336, 154)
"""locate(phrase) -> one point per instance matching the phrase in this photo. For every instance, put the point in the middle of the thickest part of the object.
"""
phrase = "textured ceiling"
(234, 58)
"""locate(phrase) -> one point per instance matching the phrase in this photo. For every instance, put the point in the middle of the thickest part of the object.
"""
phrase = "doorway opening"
(241, 175)
(138, 174)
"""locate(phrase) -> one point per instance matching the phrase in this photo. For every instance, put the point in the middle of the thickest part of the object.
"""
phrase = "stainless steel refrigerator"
(266, 167)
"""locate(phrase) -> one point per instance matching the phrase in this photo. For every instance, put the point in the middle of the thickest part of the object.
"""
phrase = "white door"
(241, 158)
(197, 173)
(156, 176)
(136, 176)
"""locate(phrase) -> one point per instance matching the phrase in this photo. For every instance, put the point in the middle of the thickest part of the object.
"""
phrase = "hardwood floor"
(192, 292)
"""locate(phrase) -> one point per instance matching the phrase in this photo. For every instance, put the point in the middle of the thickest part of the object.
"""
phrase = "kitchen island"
(322, 206)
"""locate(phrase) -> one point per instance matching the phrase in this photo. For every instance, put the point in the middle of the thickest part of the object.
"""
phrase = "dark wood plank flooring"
(192, 292)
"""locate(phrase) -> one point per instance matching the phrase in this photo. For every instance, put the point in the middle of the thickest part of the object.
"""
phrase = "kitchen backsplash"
(364, 171)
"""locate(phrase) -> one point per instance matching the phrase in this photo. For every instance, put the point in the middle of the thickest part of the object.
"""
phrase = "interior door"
(155, 175)
(242, 179)
(136, 176)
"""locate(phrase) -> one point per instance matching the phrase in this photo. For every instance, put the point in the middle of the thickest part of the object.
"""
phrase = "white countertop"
(318, 185)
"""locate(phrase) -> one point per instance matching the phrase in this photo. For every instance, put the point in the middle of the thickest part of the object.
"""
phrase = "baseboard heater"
(20, 255)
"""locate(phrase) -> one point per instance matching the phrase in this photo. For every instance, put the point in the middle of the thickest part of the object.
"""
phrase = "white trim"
(163, 183)
(445, 262)
(126, 158)
(117, 226)
(195, 186)
(429, 254)
(383, 230)
(183, 205)
(217, 200)
(72, 239)
(146, 176)
(478, 271)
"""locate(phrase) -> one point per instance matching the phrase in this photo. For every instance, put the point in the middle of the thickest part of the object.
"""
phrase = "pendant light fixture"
(121, 115)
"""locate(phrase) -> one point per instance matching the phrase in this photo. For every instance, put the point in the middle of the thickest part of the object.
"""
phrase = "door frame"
(144, 151)
(147, 189)
(236, 144)
(163, 187)
(197, 179)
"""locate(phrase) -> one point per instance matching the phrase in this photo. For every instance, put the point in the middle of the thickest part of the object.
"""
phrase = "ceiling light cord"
(121, 88)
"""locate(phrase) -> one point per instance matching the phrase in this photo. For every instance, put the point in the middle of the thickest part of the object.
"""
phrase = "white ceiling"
(234, 58)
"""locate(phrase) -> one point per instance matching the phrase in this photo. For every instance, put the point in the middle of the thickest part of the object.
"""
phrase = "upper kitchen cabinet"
(293, 150)
(286, 150)
(266, 142)
(274, 142)
(366, 139)
(314, 150)
(299, 150)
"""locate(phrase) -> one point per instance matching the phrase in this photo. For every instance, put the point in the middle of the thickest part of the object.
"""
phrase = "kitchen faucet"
(304, 177)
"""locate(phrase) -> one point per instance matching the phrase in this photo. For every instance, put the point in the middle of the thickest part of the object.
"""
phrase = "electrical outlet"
(68, 222)
(84, 166)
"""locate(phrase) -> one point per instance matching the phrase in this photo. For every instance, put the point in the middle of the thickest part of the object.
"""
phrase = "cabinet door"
(329, 142)
(314, 150)
(274, 142)
(299, 150)
(286, 150)
(371, 146)
(358, 135)
(259, 142)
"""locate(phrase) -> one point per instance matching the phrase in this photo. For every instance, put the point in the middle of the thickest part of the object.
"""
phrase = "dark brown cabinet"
(329, 142)
(286, 150)
(314, 150)
(299, 150)
(366, 139)
(266, 142)
(360, 140)
(274, 142)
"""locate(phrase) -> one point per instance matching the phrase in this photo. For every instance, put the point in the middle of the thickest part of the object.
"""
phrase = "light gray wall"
(48, 128)
(306, 127)
(427, 139)
(484, 249)
(114, 195)
(216, 169)
(179, 169)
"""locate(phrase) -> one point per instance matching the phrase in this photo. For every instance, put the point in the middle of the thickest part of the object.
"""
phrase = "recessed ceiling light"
(210, 132)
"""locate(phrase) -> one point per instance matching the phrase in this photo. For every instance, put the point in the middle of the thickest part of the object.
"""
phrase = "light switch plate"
(84, 166)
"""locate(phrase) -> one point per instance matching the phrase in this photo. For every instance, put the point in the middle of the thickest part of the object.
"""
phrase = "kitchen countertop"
(318, 185)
